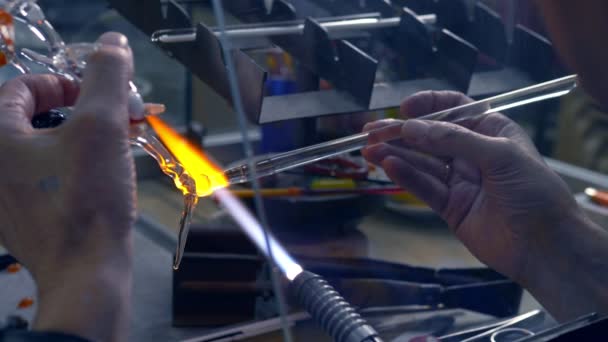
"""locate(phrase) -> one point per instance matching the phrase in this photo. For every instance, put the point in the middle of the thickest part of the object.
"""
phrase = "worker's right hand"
(484, 177)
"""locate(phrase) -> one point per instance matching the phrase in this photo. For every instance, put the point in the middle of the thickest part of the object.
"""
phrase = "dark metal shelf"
(434, 55)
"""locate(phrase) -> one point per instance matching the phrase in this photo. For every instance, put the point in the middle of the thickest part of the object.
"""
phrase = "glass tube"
(267, 166)
(183, 35)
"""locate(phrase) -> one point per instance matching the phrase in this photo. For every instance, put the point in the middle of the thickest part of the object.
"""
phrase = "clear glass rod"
(266, 166)
(182, 35)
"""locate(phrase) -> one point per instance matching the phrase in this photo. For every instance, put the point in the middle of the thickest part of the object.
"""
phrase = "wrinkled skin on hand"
(498, 195)
(67, 193)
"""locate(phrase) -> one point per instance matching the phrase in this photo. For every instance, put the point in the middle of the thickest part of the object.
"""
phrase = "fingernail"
(115, 39)
(414, 131)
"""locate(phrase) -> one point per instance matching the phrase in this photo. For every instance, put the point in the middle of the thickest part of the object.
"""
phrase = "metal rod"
(241, 32)
(266, 166)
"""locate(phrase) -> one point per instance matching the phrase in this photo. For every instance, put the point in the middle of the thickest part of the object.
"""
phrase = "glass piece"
(28, 12)
(143, 136)
(190, 202)
(267, 166)
(207, 176)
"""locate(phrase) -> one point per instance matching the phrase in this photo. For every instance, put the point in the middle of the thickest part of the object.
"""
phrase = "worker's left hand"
(67, 194)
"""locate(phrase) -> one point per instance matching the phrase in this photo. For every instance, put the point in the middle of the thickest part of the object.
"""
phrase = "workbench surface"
(390, 237)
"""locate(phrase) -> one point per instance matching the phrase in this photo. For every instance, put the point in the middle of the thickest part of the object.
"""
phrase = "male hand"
(483, 176)
(67, 194)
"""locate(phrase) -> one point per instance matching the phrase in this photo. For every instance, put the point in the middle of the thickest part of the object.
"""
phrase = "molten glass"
(206, 179)
(207, 176)
(193, 173)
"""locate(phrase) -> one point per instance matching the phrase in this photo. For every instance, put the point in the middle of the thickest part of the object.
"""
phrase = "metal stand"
(436, 55)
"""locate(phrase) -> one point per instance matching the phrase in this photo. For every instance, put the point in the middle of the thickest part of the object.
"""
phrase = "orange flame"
(207, 176)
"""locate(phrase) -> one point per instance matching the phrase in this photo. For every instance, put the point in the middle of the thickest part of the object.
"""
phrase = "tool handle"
(330, 310)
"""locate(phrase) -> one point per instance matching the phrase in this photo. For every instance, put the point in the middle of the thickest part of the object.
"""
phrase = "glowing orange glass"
(208, 176)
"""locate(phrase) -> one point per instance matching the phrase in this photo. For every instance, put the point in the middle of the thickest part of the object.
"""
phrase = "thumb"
(105, 86)
(444, 139)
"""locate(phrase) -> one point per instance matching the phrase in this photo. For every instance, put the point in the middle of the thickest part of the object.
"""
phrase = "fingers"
(426, 187)
(383, 130)
(426, 102)
(105, 86)
(445, 139)
(374, 125)
(25, 96)
(428, 164)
